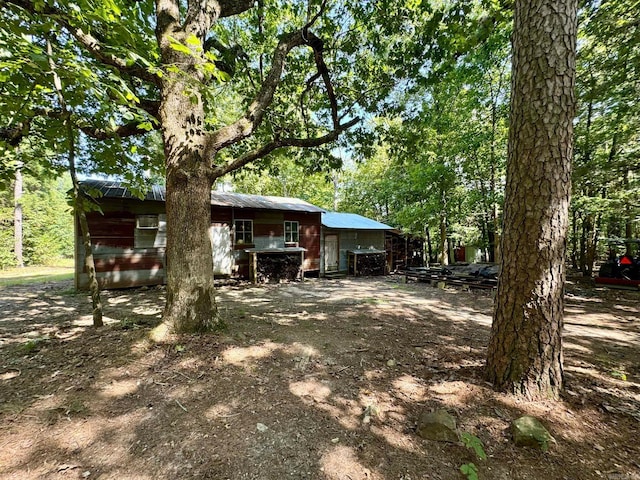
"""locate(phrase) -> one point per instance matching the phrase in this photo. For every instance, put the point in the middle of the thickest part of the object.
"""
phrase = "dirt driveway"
(315, 380)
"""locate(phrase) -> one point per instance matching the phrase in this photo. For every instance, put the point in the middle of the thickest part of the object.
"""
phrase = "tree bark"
(17, 218)
(429, 247)
(525, 347)
(90, 266)
(191, 305)
(444, 250)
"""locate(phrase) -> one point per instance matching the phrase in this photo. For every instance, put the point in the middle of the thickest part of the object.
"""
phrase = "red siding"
(129, 261)
(221, 215)
(119, 264)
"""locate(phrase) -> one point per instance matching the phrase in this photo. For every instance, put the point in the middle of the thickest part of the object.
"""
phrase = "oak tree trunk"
(525, 347)
(190, 305)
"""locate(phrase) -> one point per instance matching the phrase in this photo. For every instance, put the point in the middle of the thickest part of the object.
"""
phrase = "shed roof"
(351, 221)
(243, 200)
(111, 189)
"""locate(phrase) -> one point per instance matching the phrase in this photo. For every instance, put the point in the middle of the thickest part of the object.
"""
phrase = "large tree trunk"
(525, 348)
(191, 305)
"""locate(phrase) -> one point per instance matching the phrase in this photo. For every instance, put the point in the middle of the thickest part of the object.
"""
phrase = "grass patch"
(36, 274)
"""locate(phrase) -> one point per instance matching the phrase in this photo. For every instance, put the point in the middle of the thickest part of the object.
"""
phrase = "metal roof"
(242, 200)
(111, 189)
(351, 221)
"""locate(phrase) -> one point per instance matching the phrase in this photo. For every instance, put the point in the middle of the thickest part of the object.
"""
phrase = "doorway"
(331, 253)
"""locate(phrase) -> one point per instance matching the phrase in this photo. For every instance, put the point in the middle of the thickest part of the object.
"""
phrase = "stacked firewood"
(372, 264)
(278, 268)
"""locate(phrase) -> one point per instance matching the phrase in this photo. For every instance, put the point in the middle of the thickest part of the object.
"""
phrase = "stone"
(439, 426)
(261, 427)
(527, 431)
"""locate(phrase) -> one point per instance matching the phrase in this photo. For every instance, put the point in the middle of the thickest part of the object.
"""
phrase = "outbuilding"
(249, 233)
(353, 244)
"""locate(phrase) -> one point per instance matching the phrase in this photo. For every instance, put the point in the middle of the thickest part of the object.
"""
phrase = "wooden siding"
(355, 240)
(310, 228)
(126, 256)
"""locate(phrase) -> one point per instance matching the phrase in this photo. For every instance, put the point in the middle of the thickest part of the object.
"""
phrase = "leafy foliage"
(606, 186)
(470, 470)
(47, 223)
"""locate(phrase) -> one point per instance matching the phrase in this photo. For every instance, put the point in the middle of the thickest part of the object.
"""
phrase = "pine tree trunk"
(525, 348)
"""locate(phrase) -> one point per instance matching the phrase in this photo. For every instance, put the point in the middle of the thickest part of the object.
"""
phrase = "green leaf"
(470, 470)
(179, 47)
(193, 40)
(474, 443)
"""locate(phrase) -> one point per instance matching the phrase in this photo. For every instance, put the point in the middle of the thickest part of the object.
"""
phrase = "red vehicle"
(622, 271)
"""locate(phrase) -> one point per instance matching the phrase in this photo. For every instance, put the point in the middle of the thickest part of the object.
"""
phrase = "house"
(353, 244)
(249, 233)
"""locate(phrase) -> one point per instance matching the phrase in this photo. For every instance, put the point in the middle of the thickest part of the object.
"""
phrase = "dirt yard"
(315, 380)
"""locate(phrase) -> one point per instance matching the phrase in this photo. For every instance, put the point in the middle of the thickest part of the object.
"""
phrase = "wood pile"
(371, 264)
(278, 268)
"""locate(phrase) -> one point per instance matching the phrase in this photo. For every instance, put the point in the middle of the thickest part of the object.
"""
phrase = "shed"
(343, 233)
(128, 236)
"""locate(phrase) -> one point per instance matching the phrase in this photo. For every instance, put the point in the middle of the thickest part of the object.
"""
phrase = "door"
(220, 236)
(331, 253)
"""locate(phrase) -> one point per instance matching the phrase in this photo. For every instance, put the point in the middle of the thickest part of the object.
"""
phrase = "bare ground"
(315, 380)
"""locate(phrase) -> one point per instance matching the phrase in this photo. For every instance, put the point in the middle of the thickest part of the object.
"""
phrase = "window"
(244, 231)
(150, 231)
(147, 222)
(291, 232)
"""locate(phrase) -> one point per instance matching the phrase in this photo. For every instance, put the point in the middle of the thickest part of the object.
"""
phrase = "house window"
(150, 231)
(244, 231)
(291, 232)
(147, 222)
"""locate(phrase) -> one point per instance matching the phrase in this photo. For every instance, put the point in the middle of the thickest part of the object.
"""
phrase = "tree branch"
(278, 143)
(150, 106)
(13, 135)
(229, 8)
(90, 43)
(246, 126)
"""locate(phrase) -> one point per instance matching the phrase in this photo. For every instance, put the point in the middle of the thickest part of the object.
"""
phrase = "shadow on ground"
(321, 380)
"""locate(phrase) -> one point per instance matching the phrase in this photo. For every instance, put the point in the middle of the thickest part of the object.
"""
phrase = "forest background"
(429, 157)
